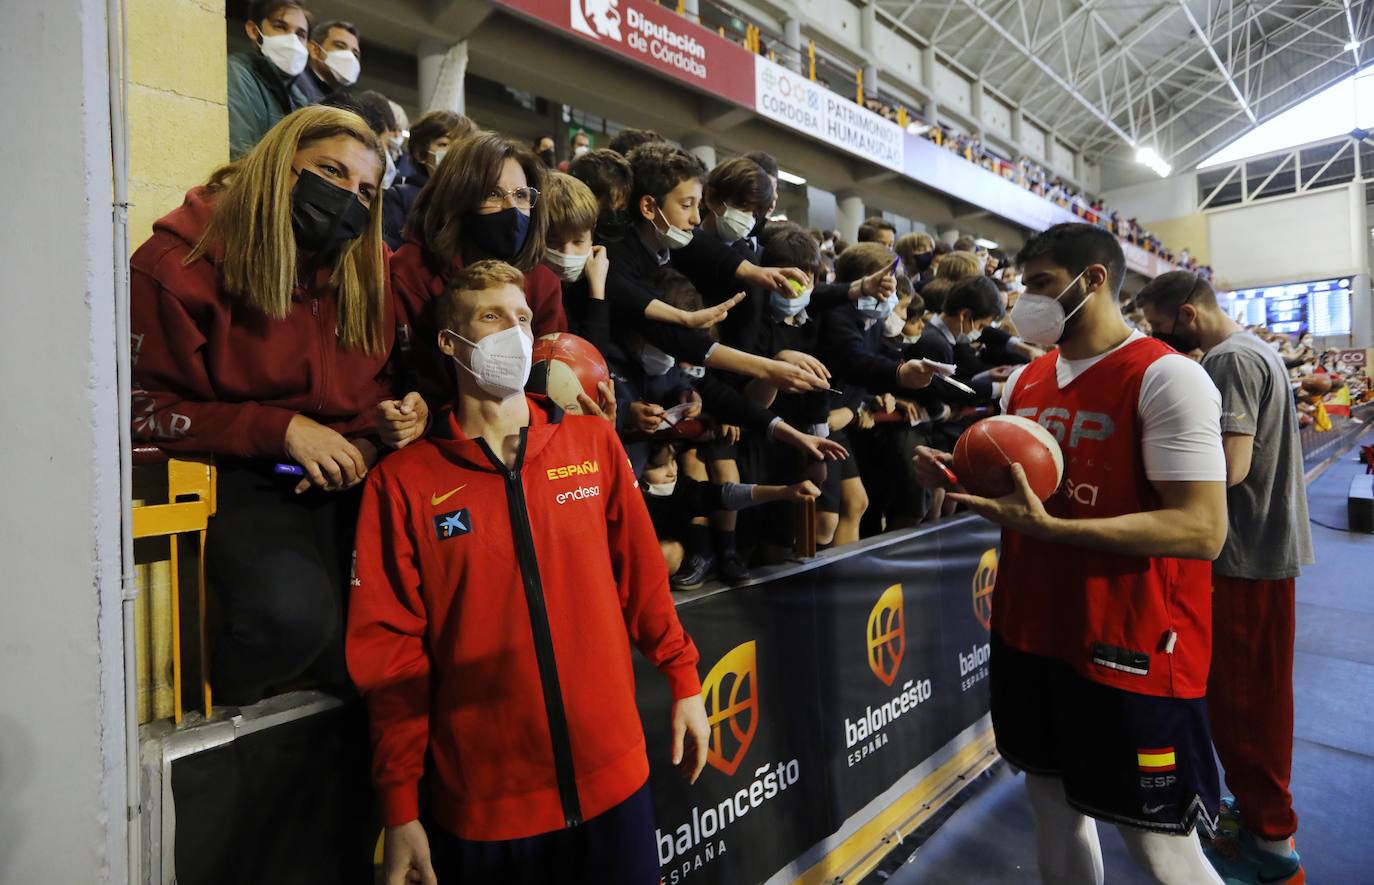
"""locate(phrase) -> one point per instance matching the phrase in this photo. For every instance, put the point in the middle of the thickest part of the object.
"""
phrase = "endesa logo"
(887, 635)
(984, 581)
(731, 695)
(886, 645)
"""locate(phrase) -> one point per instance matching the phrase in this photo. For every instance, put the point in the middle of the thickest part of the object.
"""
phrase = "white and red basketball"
(565, 365)
(984, 455)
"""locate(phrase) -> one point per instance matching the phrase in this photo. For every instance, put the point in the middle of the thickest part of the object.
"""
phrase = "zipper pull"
(315, 307)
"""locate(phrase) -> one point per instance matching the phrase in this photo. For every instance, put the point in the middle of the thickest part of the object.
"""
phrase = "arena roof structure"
(1185, 78)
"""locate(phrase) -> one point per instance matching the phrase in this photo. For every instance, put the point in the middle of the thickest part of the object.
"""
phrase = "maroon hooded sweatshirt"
(212, 375)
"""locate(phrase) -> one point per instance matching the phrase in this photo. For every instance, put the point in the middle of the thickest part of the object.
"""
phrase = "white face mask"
(287, 53)
(783, 306)
(580, 150)
(697, 372)
(674, 237)
(344, 65)
(893, 325)
(568, 266)
(1040, 319)
(910, 339)
(875, 309)
(734, 224)
(971, 335)
(500, 362)
(389, 175)
(655, 361)
(661, 489)
(438, 158)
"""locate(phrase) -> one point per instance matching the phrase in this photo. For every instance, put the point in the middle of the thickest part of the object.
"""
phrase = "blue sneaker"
(1237, 858)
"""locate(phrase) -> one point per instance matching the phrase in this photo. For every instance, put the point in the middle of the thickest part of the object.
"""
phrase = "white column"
(62, 726)
(442, 71)
(849, 214)
(702, 148)
(791, 35)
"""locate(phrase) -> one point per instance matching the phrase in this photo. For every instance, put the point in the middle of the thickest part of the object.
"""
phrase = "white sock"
(1066, 840)
(1170, 860)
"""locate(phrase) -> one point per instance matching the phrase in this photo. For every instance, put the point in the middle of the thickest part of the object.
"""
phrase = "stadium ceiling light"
(1352, 46)
(790, 177)
(1149, 157)
(984, 243)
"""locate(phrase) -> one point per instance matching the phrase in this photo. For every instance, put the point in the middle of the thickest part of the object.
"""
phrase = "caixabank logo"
(731, 695)
(973, 666)
(886, 646)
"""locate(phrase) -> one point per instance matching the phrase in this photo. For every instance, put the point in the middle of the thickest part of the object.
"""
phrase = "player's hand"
(1021, 510)
(886, 403)
(401, 421)
(710, 316)
(1001, 373)
(788, 378)
(913, 413)
(728, 433)
(405, 854)
(802, 491)
(839, 419)
(804, 361)
(646, 417)
(916, 374)
(330, 461)
(590, 406)
(597, 268)
(928, 462)
(691, 736)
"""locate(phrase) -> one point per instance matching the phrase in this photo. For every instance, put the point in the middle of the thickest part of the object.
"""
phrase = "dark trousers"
(1250, 698)
(278, 566)
(614, 848)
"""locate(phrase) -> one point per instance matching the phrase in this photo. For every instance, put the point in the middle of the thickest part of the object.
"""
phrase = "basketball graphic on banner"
(887, 634)
(984, 580)
(731, 695)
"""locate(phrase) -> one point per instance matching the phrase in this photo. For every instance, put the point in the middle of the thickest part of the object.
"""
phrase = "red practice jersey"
(1142, 624)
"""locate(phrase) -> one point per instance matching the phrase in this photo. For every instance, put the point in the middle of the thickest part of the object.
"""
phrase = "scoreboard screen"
(1321, 307)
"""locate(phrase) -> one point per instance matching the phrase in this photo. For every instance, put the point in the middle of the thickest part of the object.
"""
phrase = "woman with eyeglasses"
(262, 328)
(482, 202)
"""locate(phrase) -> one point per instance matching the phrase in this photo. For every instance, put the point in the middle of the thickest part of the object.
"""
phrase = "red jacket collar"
(545, 419)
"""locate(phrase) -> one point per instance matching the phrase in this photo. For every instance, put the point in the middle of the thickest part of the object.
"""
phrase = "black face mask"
(548, 158)
(325, 216)
(923, 260)
(1179, 340)
(499, 235)
(612, 223)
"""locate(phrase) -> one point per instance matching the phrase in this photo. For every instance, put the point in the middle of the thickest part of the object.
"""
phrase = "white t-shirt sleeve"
(1180, 414)
(1005, 399)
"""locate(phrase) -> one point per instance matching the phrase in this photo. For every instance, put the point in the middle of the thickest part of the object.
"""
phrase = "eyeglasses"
(520, 198)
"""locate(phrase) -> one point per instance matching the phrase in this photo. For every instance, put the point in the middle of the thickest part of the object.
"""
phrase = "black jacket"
(857, 358)
(400, 197)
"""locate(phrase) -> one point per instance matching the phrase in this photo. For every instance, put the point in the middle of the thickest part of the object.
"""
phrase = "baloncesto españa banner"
(823, 687)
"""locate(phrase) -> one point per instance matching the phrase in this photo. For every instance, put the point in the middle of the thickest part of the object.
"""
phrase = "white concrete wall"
(1322, 236)
(1033, 139)
(1156, 200)
(997, 116)
(62, 804)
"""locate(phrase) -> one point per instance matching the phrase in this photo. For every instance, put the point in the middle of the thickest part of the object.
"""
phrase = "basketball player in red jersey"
(1101, 630)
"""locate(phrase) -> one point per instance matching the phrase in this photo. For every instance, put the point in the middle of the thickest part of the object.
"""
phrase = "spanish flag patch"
(1155, 760)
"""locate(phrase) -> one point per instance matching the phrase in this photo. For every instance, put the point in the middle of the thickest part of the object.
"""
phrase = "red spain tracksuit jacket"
(488, 626)
(1142, 624)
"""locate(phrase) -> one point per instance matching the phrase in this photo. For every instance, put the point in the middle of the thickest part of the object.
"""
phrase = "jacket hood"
(188, 221)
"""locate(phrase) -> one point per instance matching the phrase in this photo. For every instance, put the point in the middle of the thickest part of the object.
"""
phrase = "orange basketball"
(984, 455)
(564, 366)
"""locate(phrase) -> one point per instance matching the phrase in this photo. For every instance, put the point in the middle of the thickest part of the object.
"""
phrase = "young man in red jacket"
(1102, 628)
(499, 564)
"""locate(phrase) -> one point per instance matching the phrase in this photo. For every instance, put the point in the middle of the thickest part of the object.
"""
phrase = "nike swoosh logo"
(436, 500)
(1030, 385)
(1152, 809)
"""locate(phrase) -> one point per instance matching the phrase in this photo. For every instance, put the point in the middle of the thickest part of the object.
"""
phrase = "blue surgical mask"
(789, 306)
(875, 309)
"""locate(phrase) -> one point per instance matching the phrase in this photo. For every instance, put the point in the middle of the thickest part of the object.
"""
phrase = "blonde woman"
(262, 325)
